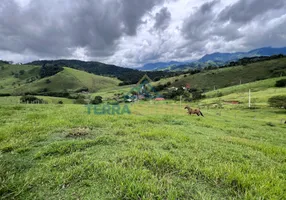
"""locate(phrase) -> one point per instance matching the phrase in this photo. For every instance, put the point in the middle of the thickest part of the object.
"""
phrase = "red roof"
(159, 99)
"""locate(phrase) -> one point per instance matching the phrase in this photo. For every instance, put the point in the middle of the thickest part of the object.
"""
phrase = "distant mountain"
(219, 59)
(161, 65)
(226, 57)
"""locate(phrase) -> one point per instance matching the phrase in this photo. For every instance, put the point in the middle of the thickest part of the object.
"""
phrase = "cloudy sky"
(134, 32)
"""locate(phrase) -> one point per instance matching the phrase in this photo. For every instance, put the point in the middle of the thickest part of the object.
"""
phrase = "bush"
(31, 99)
(96, 100)
(80, 101)
(60, 102)
(84, 89)
(197, 95)
(281, 83)
(5, 95)
(22, 72)
(277, 102)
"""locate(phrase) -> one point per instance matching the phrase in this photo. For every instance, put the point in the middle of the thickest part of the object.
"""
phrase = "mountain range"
(214, 59)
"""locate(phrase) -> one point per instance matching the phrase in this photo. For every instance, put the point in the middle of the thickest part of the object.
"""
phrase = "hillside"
(19, 79)
(127, 75)
(215, 60)
(261, 91)
(225, 77)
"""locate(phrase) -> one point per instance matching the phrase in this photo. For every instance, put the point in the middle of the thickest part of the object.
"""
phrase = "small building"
(159, 99)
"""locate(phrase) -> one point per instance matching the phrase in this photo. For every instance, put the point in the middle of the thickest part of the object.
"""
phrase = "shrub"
(31, 99)
(277, 101)
(22, 72)
(5, 95)
(281, 83)
(60, 102)
(48, 81)
(80, 101)
(197, 95)
(84, 89)
(96, 100)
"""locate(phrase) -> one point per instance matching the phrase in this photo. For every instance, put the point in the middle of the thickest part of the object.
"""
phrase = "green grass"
(11, 100)
(254, 86)
(157, 152)
(8, 82)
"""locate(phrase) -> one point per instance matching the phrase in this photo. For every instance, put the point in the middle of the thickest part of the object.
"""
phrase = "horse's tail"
(202, 114)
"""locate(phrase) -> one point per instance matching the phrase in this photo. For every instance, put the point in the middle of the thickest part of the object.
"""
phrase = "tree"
(31, 99)
(96, 100)
(22, 72)
(277, 101)
(281, 83)
(196, 95)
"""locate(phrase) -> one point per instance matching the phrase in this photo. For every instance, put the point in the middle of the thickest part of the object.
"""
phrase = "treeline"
(4, 62)
(246, 60)
(126, 75)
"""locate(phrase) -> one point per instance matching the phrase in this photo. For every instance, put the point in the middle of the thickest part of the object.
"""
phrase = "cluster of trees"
(50, 70)
(186, 94)
(5, 62)
(248, 60)
(278, 102)
(31, 100)
(281, 83)
(18, 74)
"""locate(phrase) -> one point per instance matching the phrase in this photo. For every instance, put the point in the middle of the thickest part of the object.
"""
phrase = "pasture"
(157, 152)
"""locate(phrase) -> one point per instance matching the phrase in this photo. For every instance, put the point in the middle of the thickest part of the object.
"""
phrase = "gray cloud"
(245, 10)
(56, 28)
(133, 32)
(162, 19)
(196, 26)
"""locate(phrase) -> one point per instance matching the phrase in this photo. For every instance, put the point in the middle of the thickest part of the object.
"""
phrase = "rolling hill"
(215, 59)
(127, 75)
(19, 79)
(261, 91)
(225, 77)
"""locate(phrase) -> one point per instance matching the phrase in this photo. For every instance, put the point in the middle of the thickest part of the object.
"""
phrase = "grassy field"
(261, 91)
(157, 152)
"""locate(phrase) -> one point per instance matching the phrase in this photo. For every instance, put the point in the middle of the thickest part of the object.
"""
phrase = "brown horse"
(194, 111)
